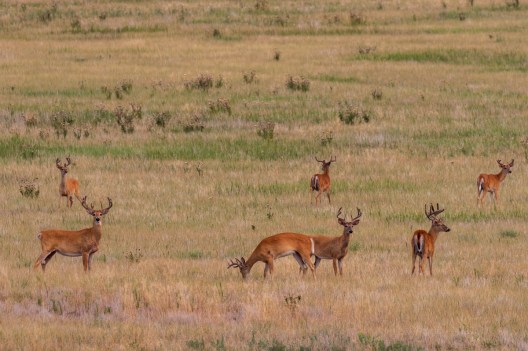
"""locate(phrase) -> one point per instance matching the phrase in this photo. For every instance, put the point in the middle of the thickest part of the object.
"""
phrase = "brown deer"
(68, 186)
(274, 247)
(333, 248)
(321, 182)
(84, 242)
(423, 243)
(490, 183)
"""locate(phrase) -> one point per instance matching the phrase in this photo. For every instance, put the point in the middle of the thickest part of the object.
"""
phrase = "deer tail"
(314, 183)
(480, 185)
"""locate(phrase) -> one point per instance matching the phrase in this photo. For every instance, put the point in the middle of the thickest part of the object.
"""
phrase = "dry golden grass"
(453, 102)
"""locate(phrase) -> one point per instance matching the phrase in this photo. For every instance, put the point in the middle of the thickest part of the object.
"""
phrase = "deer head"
(348, 226)
(241, 264)
(96, 214)
(436, 223)
(506, 168)
(326, 165)
(64, 167)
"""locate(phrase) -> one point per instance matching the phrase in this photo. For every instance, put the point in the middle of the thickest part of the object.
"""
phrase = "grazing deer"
(321, 182)
(84, 242)
(276, 246)
(68, 186)
(490, 183)
(334, 248)
(423, 243)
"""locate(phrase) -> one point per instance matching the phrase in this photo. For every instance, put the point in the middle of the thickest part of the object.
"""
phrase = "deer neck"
(501, 175)
(62, 186)
(97, 231)
(434, 234)
(345, 239)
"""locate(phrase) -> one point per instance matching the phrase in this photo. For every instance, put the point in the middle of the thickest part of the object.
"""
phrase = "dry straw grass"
(187, 199)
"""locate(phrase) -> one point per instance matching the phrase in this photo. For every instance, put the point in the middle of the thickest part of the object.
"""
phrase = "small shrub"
(509, 234)
(262, 5)
(277, 55)
(216, 33)
(250, 77)
(524, 143)
(356, 19)
(350, 113)
(161, 119)
(219, 82)
(298, 83)
(220, 105)
(266, 130)
(366, 49)
(327, 138)
(292, 302)
(134, 257)
(61, 122)
(194, 124)
(29, 188)
(30, 120)
(107, 91)
(199, 169)
(196, 344)
(76, 25)
(47, 15)
(512, 3)
(78, 133)
(125, 86)
(377, 94)
(202, 82)
(269, 213)
(125, 118)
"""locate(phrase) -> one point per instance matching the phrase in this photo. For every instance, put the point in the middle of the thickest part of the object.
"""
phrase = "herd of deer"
(302, 247)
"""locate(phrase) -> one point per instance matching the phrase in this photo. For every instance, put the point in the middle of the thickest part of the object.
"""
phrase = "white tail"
(84, 242)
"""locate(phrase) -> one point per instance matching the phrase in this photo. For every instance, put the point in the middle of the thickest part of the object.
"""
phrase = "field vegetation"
(201, 120)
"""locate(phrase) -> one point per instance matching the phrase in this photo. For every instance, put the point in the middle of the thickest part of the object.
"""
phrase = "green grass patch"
(512, 234)
(496, 60)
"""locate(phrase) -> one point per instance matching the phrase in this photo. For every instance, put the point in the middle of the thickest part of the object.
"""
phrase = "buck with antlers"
(490, 183)
(68, 186)
(276, 246)
(321, 182)
(334, 248)
(84, 242)
(423, 243)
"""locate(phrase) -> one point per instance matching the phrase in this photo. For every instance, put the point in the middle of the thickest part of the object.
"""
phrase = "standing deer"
(490, 183)
(84, 242)
(68, 186)
(423, 243)
(334, 248)
(276, 246)
(321, 182)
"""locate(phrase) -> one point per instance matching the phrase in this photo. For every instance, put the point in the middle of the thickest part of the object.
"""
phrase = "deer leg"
(328, 195)
(317, 262)
(340, 265)
(334, 262)
(413, 262)
(85, 258)
(90, 257)
(430, 259)
(317, 196)
(421, 264)
(270, 267)
(302, 265)
(43, 259)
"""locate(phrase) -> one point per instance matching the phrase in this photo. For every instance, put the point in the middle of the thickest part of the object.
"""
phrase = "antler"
(237, 264)
(88, 209)
(319, 160)
(68, 159)
(105, 211)
(57, 162)
(340, 220)
(359, 213)
(332, 159)
(432, 212)
(500, 163)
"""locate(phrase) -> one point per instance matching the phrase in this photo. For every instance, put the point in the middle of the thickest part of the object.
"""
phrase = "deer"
(321, 182)
(423, 243)
(73, 243)
(68, 186)
(490, 183)
(273, 247)
(333, 248)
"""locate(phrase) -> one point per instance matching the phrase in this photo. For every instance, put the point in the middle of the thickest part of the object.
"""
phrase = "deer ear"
(341, 221)
(356, 222)
(511, 163)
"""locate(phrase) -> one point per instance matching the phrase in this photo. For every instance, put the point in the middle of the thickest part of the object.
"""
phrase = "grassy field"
(201, 120)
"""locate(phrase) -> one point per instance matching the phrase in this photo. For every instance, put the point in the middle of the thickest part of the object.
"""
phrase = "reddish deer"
(68, 186)
(490, 183)
(321, 182)
(84, 242)
(276, 246)
(423, 243)
(333, 248)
